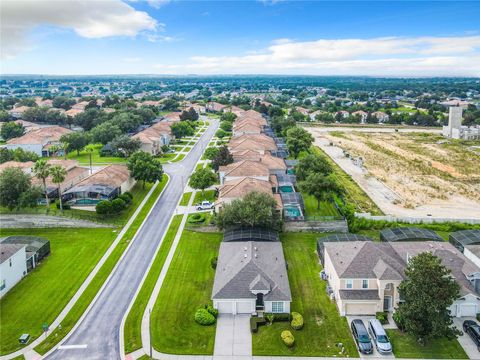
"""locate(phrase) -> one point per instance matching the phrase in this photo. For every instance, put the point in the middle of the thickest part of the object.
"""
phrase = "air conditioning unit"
(332, 296)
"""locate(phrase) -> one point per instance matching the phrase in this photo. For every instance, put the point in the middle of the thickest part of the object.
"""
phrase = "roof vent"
(256, 255)
(245, 248)
(245, 256)
(255, 248)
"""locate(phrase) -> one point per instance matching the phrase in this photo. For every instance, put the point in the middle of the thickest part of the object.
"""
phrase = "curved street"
(97, 335)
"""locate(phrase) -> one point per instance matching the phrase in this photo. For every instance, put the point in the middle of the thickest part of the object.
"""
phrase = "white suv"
(204, 205)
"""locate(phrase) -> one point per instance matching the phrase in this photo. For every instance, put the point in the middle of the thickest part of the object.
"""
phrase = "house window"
(10, 261)
(364, 284)
(388, 287)
(2, 285)
(277, 306)
(349, 284)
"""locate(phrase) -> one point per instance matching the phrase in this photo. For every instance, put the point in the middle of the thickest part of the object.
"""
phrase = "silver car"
(379, 337)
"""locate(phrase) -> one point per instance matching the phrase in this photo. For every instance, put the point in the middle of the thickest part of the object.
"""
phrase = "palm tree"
(90, 148)
(41, 170)
(59, 174)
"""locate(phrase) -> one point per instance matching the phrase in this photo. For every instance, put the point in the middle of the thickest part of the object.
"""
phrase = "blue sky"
(407, 38)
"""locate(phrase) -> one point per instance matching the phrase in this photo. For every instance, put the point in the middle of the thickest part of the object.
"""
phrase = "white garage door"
(225, 307)
(360, 309)
(244, 307)
(468, 310)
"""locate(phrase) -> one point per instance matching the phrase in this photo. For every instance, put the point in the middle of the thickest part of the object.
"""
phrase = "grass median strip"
(185, 199)
(86, 298)
(133, 323)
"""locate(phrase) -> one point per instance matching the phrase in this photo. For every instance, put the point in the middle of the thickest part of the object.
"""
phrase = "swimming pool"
(292, 211)
(286, 189)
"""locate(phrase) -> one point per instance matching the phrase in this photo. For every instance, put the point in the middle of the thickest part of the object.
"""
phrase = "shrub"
(382, 317)
(125, 198)
(270, 318)
(212, 310)
(478, 317)
(399, 321)
(104, 207)
(129, 194)
(65, 206)
(204, 318)
(196, 218)
(118, 205)
(279, 317)
(255, 322)
(213, 262)
(297, 321)
(287, 338)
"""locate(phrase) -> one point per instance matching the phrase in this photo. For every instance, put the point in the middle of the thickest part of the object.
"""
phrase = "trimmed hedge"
(278, 317)
(212, 310)
(297, 321)
(255, 322)
(382, 317)
(196, 218)
(204, 318)
(287, 338)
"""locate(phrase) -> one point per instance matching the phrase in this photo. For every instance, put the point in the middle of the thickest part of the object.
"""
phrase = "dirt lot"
(409, 173)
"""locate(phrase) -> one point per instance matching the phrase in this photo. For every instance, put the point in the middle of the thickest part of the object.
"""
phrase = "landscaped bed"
(44, 292)
(324, 327)
(406, 346)
(187, 286)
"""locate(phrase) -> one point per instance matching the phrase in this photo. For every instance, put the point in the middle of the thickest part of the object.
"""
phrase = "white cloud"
(90, 19)
(157, 4)
(393, 56)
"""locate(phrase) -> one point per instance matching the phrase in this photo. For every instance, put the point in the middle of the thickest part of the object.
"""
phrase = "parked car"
(360, 334)
(204, 205)
(379, 337)
(473, 330)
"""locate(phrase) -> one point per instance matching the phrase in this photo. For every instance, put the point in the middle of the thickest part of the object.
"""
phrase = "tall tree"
(11, 130)
(41, 170)
(202, 179)
(182, 129)
(125, 145)
(256, 209)
(428, 291)
(143, 166)
(312, 163)
(16, 190)
(222, 158)
(319, 186)
(298, 140)
(58, 174)
(75, 141)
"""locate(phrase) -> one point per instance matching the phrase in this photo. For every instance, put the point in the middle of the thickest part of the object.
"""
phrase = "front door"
(387, 303)
(259, 303)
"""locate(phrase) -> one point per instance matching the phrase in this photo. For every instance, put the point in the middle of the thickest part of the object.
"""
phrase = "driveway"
(365, 319)
(233, 336)
(465, 341)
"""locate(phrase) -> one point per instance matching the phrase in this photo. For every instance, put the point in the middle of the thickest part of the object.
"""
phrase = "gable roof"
(112, 175)
(240, 187)
(246, 266)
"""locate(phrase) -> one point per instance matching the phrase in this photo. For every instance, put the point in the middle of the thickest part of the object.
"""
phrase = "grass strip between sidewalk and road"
(133, 323)
(185, 199)
(91, 291)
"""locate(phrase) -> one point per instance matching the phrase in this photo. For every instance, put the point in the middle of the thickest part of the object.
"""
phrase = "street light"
(150, 331)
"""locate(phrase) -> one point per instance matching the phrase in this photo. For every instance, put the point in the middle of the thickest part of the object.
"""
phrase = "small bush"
(399, 321)
(129, 194)
(212, 310)
(270, 318)
(118, 205)
(287, 338)
(382, 317)
(196, 218)
(297, 321)
(65, 206)
(104, 207)
(204, 318)
(255, 322)
(478, 317)
(125, 198)
(213, 262)
(279, 317)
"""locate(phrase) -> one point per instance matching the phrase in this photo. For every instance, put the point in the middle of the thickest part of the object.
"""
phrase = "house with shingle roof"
(251, 277)
(365, 275)
(154, 137)
(39, 141)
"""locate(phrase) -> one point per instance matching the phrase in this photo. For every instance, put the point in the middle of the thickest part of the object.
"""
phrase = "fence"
(415, 220)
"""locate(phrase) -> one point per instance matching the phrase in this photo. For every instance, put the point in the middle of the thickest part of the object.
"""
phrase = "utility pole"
(150, 331)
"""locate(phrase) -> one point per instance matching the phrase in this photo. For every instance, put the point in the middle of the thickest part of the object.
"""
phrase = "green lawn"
(133, 324)
(312, 211)
(208, 195)
(187, 286)
(86, 298)
(405, 346)
(185, 198)
(41, 295)
(84, 157)
(323, 325)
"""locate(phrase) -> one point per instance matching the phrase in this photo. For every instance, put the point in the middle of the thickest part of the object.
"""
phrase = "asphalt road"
(97, 336)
